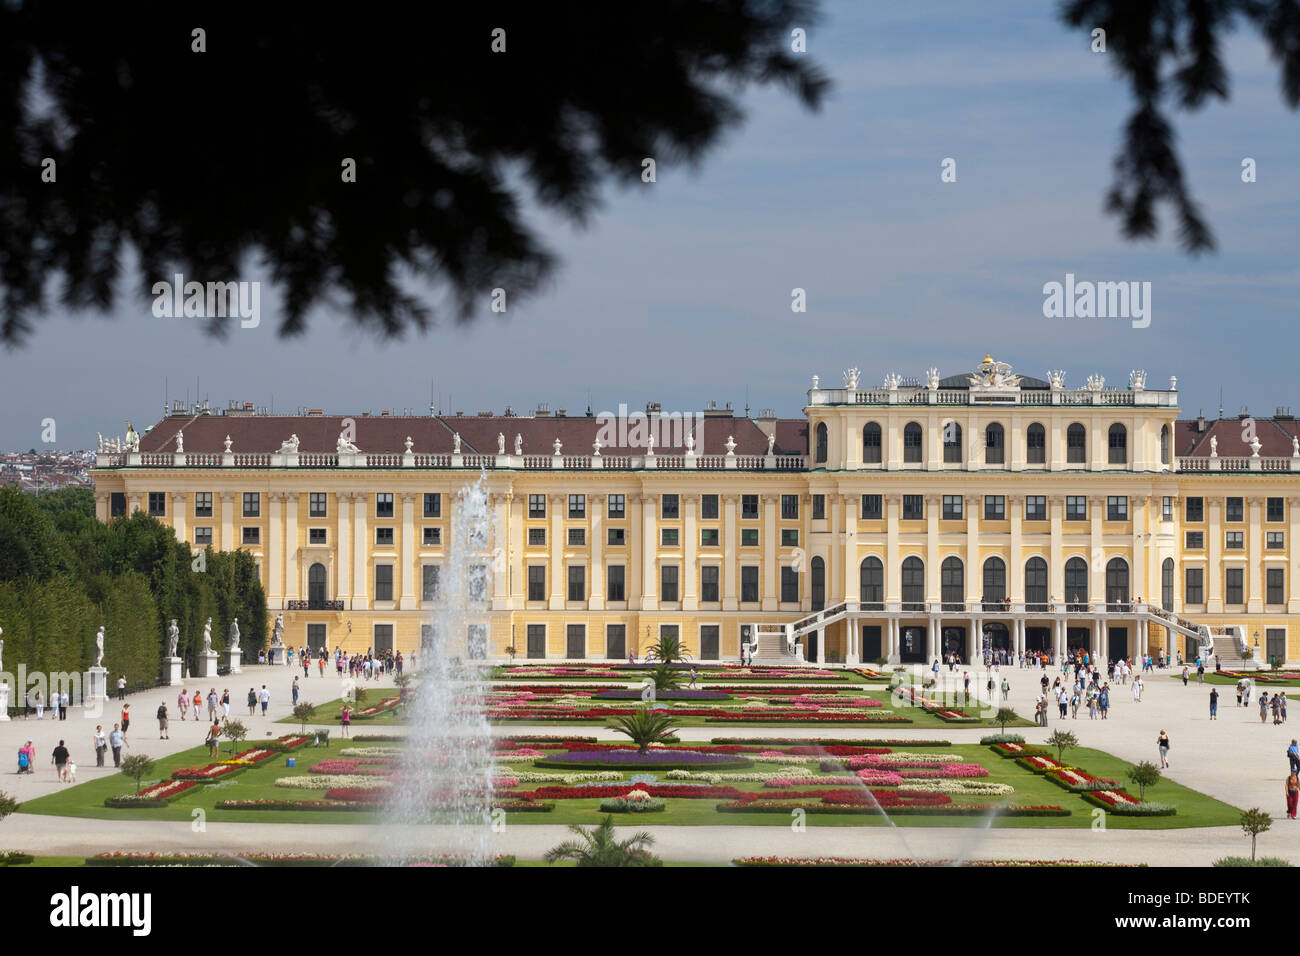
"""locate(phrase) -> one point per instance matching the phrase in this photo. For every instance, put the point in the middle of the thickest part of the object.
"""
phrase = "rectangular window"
(789, 537)
(615, 641)
(537, 582)
(158, 503)
(577, 582)
(1234, 510)
(203, 536)
(1234, 540)
(252, 535)
(749, 506)
(577, 537)
(1076, 508)
(617, 506)
(871, 507)
(203, 504)
(1233, 587)
(433, 504)
(432, 537)
(995, 507)
(252, 504)
(913, 507)
(1194, 540)
(749, 537)
(1035, 507)
(789, 507)
(1116, 508)
(668, 583)
(537, 506)
(1275, 644)
(1275, 510)
(952, 505)
(1194, 586)
(709, 641)
(317, 536)
(615, 583)
(1274, 586)
(575, 641)
(430, 582)
(819, 507)
(536, 640)
(668, 537)
(1195, 509)
(383, 582)
(616, 537)
(1167, 508)
(749, 583)
(708, 537)
(577, 506)
(384, 504)
(709, 583)
(1275, 540)
(384, 537)
(318, 504)
(708, 507)
(116, 504)
(669, 507)
(536, 537)
(789, 585)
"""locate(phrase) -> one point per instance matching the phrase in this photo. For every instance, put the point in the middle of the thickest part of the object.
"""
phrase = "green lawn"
(1211, 678)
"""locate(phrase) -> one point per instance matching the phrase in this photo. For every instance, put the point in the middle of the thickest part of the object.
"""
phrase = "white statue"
(99, 647)
(1254, 447)
(519, 444)
(932, 379)
(650, 444)
(1095, 383)
(1214, 446)
(771, 443)
(227, 444)
(731, 445)
(132, 439)
(994, 375)
(100, 436)
(1056, 378)
(207, 637)
(557, 446)
(407, 445)
(234, 635)
(501, 443)
(180, 443)
(690, 443)
(816, 381)
(1295, 447)
(290, 447)
(1137, 380)
(455, 443)
(277, 631)
(346, 447)
(173, 638)
(1173, 383)
(596, 446)
(851, 378)
(892, 381)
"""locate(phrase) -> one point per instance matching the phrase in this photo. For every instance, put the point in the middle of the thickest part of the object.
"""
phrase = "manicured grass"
(1232, 681)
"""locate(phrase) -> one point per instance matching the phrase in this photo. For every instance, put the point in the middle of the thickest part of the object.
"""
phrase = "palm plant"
(665, 677)
(599, 847)
(645, 727)
(669, 648)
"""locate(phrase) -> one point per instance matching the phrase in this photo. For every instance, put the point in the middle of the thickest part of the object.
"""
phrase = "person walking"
(60, 761)
(1162, 743)
(321, 662)
(1240, 684)
(1103, 701)
(121, 688)
(345, 719)
(252, 701)
(1276, 705)
(212, 704)
(101, 745)
(225, 703)
(214, 735)
(1006, 690)
(126, 719)
(1200, 672)
(1186, 673)
(162, 722)
(117, 740)
(1283, 706)
(40, 707)
(1292, 794)
(1214, 703)
(295, 690)
(64, 702)
(1263, 707)
(1293, 755)
(27, 758)
(1245, 691)
(183, 702)
(266, 699)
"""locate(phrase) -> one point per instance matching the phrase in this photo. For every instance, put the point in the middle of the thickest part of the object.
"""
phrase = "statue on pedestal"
(1295, 447)
(227, 444)
(455, 448)
(407, 445)
(345, 447)
(290, 447)
(180, 443)
(207, 637)
(690, 443)
(557, 447)
(1214, 446)
(234, 635)
(519, 444)
(277, 631)
(771, 441)
(596, 446)
(731, 444)
(99, 647)
(173, 638)
(501, 443)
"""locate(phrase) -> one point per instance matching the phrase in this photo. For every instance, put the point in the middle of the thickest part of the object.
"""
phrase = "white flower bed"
(590, 776)
(328, 781)
(740, 776)
(972, 788)
(370, 752)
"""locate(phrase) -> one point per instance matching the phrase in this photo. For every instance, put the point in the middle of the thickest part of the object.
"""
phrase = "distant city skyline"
(679, 291)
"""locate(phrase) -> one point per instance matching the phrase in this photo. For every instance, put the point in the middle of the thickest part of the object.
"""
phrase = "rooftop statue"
(290, 447)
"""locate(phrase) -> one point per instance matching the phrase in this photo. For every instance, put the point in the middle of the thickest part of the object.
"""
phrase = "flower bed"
(293, 805)
(271, 859)
(1017, 750)
(622, 790)
(829, 742)
(970, 788)
(1041, 764)
(635, 801)
(1126, 805)
(851, 861)
(213, 771)
(1076, 781)
(326, 781)
(1002, 739)
(156, 796)
(949, 810)
(632, 760)
(629, 693)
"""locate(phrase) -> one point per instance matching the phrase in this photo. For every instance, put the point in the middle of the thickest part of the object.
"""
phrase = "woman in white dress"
(1137, 690)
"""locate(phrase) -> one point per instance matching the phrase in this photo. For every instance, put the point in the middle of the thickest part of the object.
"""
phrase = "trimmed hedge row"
(949, 810)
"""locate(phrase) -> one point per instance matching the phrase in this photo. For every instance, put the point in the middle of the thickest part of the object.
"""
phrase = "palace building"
(898, 522)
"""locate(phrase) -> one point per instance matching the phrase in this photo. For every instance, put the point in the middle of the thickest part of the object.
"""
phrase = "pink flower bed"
(880, 778)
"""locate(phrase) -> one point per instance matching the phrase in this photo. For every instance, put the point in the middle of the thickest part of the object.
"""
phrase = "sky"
(679, 291)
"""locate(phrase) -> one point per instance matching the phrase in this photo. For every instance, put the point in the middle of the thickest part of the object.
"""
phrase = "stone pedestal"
(276, 654)
(4, 702)
(171, 671)
(208, 665)
(233, 658)
(96, 685)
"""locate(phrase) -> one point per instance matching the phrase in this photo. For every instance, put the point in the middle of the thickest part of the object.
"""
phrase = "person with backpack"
(27, 758)
(162, 722)
(1162, 744)
(101, 745)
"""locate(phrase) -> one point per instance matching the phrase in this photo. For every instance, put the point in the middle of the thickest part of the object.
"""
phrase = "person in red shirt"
(126, 718)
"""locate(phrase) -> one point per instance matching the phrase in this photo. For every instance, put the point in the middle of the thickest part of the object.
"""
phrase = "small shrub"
(1248, 861)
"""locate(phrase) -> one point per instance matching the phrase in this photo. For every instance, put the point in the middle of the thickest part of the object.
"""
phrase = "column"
(407, 568)
(1056, 558)
(596, 512)
(974, 640)
(343, 548)
(1214, 562)
(1016, 573)
(557, 570)
(515, 555)
(934, 638)
(1140, 585)
(102, 508)
(690, 590)
(731, 545)
(1103, 639)
(1292, 540)
(649, 566)
(933, 578)
(291, 585)
(834, 564)
(851, 591)
(893, 575)
(275, 551)
(133, 504)
(821, 646)
(227, 542)
(974, 582)
(180, 512)
(771, 589)
(1254, 565)
(635, 549)
(1096, 553)
(361, 550)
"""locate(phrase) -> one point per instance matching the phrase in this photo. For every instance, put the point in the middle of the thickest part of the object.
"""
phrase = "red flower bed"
(212, 771)
(1114, 798)
(623, 789)
(846, 797)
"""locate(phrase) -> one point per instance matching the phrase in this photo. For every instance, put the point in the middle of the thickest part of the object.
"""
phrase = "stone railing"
(1238, 464)
(920, 395)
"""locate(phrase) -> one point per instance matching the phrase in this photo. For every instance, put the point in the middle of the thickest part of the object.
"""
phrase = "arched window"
(1167, 584)
(871, 584)
(1036, 444)
(1118, 441)
(871, 443)
(316, 583)
(1076, 584)
(995, 581)
(912, 442)
(952, 583)
(1117, 582)
(994, 452)
(1036, 584)
(913, 584)
(821, 443)
(1164, 444)
(818, 583)
(1076, 444)
(952, 443)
